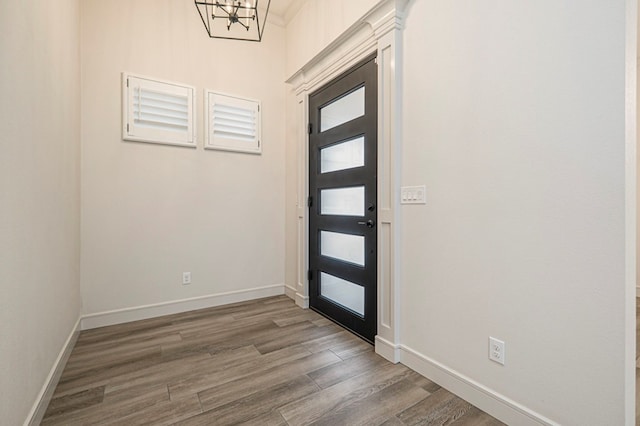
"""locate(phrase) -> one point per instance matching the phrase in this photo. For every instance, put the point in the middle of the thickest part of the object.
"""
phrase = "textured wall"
(150, 212)
(514, 120)
(39, 194)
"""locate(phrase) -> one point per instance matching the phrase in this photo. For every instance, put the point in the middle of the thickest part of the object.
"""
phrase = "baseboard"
(290, 292)
(387, 350)
(493, 403)
(44, 397)
(302, 301)
(121, 316)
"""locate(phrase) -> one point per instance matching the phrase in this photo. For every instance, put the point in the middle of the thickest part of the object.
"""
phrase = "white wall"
(39, 195)
(514, 121)
(638, 162)
(150, 212)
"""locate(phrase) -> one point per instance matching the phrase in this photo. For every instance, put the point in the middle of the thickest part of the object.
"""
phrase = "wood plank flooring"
(264, 362)
(637, 360)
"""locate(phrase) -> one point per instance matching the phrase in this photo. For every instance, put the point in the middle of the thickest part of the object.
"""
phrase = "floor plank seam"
(313, 380)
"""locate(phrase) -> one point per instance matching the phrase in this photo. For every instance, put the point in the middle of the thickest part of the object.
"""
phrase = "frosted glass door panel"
(342, 156)
(345, 247)
(342, 110)
(342, 201)
(342, 292)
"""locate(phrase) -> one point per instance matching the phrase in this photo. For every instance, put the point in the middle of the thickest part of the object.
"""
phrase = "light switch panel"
(413, 195)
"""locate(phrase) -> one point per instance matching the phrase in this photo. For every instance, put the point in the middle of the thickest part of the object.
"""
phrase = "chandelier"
(233, 19)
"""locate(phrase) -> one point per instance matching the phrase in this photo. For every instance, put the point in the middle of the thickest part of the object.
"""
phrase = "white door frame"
(379, 30)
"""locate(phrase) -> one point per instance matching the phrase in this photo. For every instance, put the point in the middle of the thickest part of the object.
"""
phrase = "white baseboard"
(121, 316)
(302, 301)
(387, 350)
(290, 292)
(44, 397)
(493, 403)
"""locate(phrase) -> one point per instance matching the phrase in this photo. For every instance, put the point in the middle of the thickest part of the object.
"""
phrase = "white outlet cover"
(496, 350)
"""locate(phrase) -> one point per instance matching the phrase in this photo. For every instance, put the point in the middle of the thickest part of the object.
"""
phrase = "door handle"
(370, 223)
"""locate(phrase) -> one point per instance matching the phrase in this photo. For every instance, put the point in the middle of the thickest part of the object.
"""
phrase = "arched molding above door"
(351, 47)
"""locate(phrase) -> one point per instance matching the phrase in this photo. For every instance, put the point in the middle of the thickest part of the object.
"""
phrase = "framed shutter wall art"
(232, 123)
(157, 111)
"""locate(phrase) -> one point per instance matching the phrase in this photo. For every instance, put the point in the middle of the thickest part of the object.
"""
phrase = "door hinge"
(127, 127)
(309, 275)
(310, 128)
(309, 201)
(127, 82)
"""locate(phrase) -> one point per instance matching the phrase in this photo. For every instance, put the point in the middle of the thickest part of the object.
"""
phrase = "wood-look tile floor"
(637, 360)
(264, 362)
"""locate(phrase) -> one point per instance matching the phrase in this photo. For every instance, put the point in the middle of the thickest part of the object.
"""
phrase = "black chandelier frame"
(211, 10)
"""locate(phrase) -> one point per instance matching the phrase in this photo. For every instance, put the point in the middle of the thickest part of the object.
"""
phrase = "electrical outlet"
(496, 350)
(186, 278)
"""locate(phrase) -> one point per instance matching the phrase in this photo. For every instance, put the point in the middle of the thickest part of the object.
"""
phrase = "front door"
(343, 198)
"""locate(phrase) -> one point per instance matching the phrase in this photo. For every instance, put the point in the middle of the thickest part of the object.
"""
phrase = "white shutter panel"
(158, 112)
(233, 123)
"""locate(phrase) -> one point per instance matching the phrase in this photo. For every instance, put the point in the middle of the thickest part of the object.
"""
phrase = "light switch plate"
(413, 194)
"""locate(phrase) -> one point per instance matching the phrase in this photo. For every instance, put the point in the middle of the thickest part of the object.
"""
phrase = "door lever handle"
(370, 223)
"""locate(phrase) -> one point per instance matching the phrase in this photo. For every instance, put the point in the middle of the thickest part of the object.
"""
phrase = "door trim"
(379, 31)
